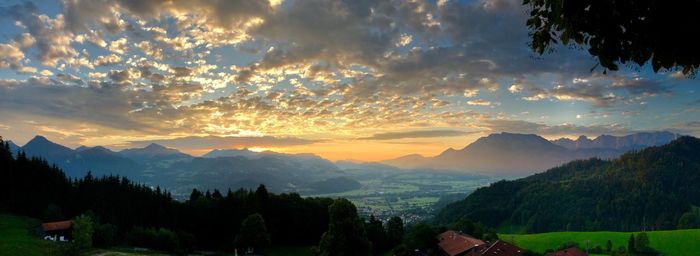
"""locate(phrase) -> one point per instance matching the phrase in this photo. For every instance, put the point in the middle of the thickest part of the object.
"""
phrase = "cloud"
(106, 60)
(10, 56)
(52, 39)
(600, 90)
(479, 102)
(515, 88)
(416, 134)
(521, 126)
(217, 142)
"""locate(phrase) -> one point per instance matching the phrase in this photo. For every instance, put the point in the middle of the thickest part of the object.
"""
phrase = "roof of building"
(58, 225)
(573, 251)
(498, 248)
(454, 243)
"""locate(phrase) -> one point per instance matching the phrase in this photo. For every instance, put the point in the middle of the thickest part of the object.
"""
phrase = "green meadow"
(671, 243)
(18, 237)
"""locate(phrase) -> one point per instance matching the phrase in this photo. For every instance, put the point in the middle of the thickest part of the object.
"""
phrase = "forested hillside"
(127, 212)
(655, 188)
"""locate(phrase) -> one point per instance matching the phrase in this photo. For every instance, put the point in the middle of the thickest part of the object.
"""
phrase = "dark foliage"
(376, 235)
(346, 235)
(394, 231)
(421, 236)
(124, 209)
(476, 230)
(253, 235)
(621, 32)
(649, 189)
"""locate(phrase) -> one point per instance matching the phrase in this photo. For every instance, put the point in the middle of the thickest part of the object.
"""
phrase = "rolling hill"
(647, 189)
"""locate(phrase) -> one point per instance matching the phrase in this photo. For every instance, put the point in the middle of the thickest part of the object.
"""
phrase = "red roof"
(59, 225)
(573, 251)
(498, 248)
(454, 243)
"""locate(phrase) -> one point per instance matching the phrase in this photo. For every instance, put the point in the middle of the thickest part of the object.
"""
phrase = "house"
(573, 251)
(497, 248)
(453, 243)
(58, 231)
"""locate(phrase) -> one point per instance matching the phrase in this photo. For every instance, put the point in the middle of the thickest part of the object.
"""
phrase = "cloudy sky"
(354, 79)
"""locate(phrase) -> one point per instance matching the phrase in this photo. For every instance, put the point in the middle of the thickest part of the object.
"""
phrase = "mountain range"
(522, 154)
(497, 154)
(647, 189)
(180, 172)
(628, 142)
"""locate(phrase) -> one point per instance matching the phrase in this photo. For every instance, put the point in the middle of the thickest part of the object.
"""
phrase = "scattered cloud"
(302, 68)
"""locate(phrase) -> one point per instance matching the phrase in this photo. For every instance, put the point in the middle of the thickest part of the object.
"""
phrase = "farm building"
(453, 243)
(496, 248)
(57, 231)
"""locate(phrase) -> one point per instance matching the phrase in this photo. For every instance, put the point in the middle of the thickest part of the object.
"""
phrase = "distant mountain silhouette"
(409, 161)
(76, 163)
(40, 146)
(230, 152)
(153, 151)
(629, 142)
(521, 154)
(100, 149)
(180, 172)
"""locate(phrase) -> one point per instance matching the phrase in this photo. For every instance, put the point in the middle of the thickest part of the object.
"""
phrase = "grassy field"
(671, 243)
(17, 237)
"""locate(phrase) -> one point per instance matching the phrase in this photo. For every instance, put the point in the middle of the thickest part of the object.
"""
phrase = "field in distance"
(669, 242)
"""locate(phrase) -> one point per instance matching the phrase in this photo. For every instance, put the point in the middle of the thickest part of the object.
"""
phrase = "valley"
(413, 196)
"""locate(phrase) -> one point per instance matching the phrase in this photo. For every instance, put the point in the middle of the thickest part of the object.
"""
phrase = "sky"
(356, 79)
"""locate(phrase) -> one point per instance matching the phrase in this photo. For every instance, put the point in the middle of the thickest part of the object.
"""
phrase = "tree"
(81, 235)
(104, 236)
(53, 213)
(394, 231)
(253, 235)
(620, 32)
(376, 235)
(195, 195)
(421, 236)
(630, 244)
(641, 242)
(346, 235)
(689, 220)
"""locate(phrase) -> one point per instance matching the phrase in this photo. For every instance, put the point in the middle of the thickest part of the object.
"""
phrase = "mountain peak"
(152, 150)
(154, 146)
(41, 146)
(39, 138)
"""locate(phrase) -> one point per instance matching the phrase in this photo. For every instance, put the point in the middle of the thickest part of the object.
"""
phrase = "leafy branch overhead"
(621, 32)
